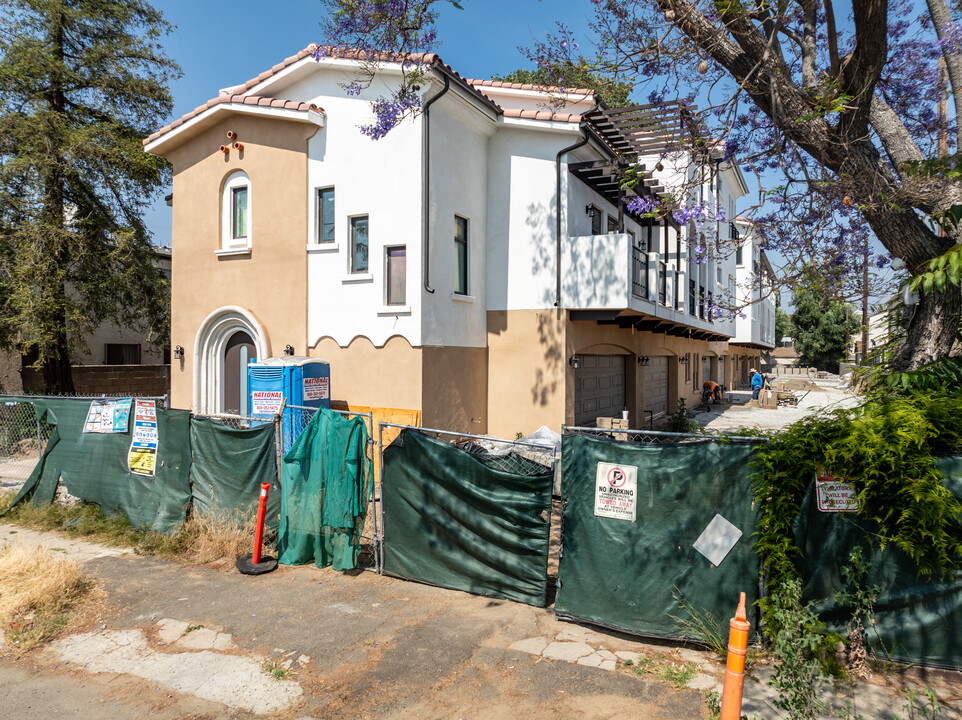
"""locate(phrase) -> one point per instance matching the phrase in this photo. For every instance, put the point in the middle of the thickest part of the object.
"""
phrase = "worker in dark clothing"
(711, 390)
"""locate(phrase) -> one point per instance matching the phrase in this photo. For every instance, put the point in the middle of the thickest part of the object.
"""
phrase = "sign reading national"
(616, 490)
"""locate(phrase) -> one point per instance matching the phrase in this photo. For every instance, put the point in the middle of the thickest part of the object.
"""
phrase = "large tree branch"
(942, 19)
(809, 31)
(863, 69)
(895, 137)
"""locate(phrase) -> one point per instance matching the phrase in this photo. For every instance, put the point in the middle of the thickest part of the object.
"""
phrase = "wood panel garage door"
(599, 388)
(656, 386)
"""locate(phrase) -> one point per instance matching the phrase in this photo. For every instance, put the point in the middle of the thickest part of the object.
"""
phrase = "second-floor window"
(612, 224)
(461, 255)
(236, 212)
(395, 274)
(325, 215)
(359, 244)
(596, 217)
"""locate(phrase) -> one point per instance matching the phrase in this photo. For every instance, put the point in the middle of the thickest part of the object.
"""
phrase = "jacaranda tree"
(843, 110)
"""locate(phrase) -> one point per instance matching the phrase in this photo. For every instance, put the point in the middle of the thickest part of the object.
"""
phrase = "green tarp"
(628, 575)
(228, 466)
(94, 467)
(455, 520)
(325, 490)
(916, 620)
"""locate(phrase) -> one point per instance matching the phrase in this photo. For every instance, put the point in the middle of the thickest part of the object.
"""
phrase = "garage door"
(599, 388)
(656, 386)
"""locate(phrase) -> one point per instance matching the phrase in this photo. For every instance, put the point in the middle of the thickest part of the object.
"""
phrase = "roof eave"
(172, 138)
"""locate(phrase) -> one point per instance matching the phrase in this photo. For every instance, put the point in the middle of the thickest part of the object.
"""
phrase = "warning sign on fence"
(317, 388)
(835, 496)
(616, 490)
(108, 416)
(142, 458)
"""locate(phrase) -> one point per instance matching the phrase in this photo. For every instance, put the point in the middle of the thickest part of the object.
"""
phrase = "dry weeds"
(39, 591)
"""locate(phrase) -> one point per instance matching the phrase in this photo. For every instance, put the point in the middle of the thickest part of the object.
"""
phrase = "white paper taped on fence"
(142, 458)
(717, 540)
(616, 491)
(108, 416)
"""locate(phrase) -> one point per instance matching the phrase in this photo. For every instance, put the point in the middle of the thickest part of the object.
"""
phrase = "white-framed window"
(461, 255)
(236, 214)
(395, 275)
(359, 244)
(324, 221)
(612, 224)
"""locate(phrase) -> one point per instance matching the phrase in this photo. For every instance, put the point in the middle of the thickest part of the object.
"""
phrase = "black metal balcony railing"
(662, 283)
(692, 298)
(639, 273)
(711, 308)
(733, 231)
(701, 303)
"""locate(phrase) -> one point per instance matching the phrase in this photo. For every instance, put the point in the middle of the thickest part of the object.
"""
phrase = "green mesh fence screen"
(918, 620)
(94, 466)
(460, 520)
(227, 468)
(631, 575)
(325, 490)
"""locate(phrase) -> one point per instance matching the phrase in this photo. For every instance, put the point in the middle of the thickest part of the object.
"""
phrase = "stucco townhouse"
(477, 265)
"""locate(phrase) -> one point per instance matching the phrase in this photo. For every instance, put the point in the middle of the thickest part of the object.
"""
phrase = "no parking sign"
(616, 488)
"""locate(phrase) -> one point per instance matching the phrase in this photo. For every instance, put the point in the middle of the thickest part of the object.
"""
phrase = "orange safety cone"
(253, 563)
(731, 707)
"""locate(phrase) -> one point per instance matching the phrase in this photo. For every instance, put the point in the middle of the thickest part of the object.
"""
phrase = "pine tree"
(81, 83)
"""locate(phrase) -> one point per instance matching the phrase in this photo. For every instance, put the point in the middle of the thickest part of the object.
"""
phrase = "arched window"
(236, 213)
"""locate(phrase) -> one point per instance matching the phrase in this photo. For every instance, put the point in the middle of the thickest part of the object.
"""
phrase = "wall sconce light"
(289, 350)
(591, 210)
(179, 353)
(644, 360)
(685, 358)
(574, 361)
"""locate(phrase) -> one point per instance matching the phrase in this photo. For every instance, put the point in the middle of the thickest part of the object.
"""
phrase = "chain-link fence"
(654, 437)
(24, 435)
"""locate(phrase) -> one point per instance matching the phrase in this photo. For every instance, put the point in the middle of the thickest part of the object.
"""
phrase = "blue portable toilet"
(302, 381)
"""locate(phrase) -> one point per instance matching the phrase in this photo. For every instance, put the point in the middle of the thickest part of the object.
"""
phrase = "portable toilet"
(303, 382)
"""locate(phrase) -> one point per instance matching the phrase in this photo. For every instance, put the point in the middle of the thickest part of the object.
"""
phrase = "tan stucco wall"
(271, 282)
(455, 389)
(528, 371)
(364, 375)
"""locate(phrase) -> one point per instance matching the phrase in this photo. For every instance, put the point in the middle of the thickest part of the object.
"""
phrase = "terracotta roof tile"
(529, 86)
(233, 99)
(543, 115)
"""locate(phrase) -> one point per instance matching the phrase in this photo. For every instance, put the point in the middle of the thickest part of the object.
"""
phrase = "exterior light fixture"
(644, 360)
(685, 358)
(289, 350)
(591, 210)
(574, 361)
(179, 353)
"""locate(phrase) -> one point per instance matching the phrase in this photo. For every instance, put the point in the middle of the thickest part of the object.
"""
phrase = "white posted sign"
(616, 491)
(835, 496)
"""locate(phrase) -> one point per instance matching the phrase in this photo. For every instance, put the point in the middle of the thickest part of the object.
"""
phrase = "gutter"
(557, 211)
(426, 186)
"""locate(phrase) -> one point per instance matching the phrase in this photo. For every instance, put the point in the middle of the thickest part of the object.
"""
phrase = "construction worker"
(757, 382)
(711, 390)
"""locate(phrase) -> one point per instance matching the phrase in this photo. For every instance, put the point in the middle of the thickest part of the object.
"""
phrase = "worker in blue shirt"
(757, 382)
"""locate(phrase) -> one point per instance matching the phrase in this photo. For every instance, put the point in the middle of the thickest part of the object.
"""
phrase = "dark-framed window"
(395, 274)
(461, 255)
(612, 224)
(325, 215)
(122, 353)
(359, 244)
(238, 213)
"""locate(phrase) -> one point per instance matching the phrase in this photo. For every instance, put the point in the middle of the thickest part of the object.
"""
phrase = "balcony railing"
(663, 283)
(701, 303)
(733, 231)
(711, 308)
(639, 273)
(692, 298)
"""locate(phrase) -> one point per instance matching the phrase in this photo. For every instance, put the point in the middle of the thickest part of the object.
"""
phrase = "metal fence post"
(379, 522)
(279, 441)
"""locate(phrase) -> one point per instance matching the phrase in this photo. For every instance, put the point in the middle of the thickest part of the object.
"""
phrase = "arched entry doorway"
(238, 352)
(226, 341)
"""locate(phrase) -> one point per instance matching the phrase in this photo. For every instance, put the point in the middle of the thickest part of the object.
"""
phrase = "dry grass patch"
(216, 539)
(40, 590)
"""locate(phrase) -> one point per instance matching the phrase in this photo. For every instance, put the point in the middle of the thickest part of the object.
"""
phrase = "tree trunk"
(57, 373)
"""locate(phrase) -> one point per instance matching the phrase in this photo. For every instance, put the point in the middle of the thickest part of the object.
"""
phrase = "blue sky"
(219, 43)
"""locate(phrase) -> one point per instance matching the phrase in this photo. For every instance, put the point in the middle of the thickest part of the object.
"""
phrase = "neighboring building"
(477, 265)
(111, 359)
(755, 303)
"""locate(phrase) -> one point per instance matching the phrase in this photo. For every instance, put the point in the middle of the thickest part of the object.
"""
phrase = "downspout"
(426, 187)
(557, 213)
